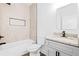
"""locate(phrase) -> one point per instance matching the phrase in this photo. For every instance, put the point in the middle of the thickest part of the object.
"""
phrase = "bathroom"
(39, 29)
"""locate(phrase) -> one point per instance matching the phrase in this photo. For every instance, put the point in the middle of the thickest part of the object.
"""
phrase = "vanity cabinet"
(57, 49)
(54, 48)
(62, 54)
(52, 51)
(55, 52)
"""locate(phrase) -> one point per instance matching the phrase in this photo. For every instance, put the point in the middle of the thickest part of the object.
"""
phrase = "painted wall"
(33, 22)
(46, 21)
(14, 33)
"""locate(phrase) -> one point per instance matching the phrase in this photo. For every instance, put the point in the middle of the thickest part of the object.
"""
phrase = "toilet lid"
(33, 47)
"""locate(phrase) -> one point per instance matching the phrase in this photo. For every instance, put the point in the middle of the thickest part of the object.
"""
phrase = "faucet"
(63, 34)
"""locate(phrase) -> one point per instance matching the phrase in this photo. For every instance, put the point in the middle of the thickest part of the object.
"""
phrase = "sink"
(67, 40)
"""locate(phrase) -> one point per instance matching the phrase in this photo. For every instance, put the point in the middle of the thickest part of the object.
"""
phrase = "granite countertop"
(69, 41)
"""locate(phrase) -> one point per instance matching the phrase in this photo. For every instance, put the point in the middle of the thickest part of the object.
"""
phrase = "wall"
(46, 21)
(14, 33)
(33, 22)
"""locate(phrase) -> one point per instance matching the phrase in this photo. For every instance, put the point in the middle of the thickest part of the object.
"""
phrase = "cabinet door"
(52, 52)
(59, 53)
(55, 52)
(75, 51)
(63, 54)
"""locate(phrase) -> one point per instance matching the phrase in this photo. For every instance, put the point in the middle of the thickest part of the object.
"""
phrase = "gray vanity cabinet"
(75, 51)
(55, 52)
(52, 52)
(62, 54)
(52, 48)
(56, 49)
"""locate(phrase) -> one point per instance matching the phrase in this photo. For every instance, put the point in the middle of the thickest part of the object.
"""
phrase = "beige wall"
(33, 22)
(14, 33)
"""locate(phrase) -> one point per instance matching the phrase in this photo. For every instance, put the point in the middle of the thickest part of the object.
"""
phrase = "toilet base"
(35, 53)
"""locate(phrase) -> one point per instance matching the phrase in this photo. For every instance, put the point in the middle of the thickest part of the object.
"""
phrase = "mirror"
(67, 17)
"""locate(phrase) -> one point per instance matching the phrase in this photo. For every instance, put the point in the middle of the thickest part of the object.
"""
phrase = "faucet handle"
(63, 33)
(1, 36)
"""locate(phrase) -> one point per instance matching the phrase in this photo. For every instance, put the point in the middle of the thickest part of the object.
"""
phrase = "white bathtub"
(17, 48)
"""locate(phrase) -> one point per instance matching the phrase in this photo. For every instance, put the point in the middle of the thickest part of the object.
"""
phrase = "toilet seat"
(34, 49)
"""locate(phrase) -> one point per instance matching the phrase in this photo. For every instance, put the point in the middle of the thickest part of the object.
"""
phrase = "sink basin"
(67, 40)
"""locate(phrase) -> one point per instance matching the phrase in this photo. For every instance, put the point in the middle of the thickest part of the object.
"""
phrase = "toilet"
(34, 49)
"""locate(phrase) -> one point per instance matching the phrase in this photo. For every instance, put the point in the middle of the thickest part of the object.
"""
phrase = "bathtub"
(17, 48)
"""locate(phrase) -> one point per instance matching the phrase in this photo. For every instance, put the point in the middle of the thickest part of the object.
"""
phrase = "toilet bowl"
(34, 50)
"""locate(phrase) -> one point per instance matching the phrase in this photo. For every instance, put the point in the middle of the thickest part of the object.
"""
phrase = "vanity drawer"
(62, 47)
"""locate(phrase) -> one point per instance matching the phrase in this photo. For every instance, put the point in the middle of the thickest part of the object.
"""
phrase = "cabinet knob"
(56, 53)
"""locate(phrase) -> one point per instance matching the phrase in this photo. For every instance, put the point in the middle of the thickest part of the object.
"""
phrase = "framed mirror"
(67, 17)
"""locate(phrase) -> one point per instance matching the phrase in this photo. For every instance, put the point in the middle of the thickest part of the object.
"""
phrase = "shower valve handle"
(1, 37)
